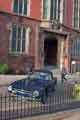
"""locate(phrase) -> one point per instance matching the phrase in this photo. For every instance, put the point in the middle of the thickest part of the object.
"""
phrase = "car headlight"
(36, 93)
(10, 88)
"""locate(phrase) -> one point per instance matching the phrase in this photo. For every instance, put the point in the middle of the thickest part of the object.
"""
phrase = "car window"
(35, 75)
(26, 82)
(49, 77)
(41, 76)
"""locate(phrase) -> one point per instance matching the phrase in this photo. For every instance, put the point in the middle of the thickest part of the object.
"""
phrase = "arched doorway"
(50, 51)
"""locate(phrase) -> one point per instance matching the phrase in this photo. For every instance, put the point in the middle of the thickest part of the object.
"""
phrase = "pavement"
(65, 115)
(69, 115)
(7, 79)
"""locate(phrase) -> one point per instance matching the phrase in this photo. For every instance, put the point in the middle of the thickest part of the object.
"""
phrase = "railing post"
(50, 104)
(1, 107)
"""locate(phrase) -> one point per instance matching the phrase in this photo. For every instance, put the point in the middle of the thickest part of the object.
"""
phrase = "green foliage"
(4, 68)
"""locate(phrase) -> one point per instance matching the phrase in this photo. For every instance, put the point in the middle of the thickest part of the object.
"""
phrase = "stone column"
(36, 46)
(61, 53)
(41, 49)
(66, 53)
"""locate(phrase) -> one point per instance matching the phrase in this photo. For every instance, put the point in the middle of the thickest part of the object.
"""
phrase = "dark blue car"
(37, 85)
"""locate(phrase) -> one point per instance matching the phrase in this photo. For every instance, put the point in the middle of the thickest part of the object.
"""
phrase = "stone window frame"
(27, 11)
(76, 14)
(27, 39)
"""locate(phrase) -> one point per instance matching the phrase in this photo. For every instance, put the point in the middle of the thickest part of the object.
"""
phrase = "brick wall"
(16, 61)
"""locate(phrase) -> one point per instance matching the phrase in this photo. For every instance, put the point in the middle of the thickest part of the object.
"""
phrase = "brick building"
(20, 24)
(39, 33)
(23, 54)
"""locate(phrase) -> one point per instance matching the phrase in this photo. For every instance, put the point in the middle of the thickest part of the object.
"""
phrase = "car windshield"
(40, 75)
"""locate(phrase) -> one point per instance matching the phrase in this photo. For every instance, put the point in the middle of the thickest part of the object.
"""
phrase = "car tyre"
(44, 98)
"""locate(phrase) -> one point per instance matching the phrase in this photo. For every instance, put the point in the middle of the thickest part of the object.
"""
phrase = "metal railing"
(14, 107)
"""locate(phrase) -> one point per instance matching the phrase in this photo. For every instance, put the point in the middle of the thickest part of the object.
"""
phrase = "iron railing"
(14, 107)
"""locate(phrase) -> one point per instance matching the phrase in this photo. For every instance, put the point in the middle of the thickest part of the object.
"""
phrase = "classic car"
(37, 85)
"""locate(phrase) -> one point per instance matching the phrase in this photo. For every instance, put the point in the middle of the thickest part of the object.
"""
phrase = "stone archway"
(51, 48)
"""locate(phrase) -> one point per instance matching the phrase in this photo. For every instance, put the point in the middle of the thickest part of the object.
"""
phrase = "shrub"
(4, 68)
(11, 71)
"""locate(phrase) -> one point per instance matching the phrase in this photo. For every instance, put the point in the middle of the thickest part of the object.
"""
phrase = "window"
(51, 9)
(76, 13)
(21, 7)
(77, 67)
(45, 9)
(55, 9)
(76, 48)
(19, 39)
(41, 76)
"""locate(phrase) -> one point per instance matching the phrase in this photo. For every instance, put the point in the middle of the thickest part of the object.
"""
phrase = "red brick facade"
(5, 5)
(68, 12)
(35, 7)
(22, 60)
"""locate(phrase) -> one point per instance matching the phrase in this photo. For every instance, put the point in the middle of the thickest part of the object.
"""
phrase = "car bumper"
(27, 96)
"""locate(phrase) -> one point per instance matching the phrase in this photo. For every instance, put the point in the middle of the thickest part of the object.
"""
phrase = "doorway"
(50, 51)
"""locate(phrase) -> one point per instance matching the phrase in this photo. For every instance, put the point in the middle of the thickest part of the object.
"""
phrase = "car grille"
(23, 91)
